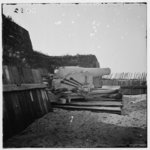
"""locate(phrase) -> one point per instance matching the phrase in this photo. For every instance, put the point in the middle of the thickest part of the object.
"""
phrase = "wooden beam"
(101, 109)
(91, 104)
(22, 87)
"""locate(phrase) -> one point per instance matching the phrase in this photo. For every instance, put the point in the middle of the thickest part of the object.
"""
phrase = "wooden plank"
(48, 100)
(10, 111)
(18, 119)
(96, 95)
(98, 98)
(75, 97)
(34, 104)
(98, 103)
(104, 91)
(11, 74)
(41, 101)
(14, 87)
(37, 105)
(15, 75)
(44, 100)
(29, 106)
(27, 116)
(43, 71)
(27, 75)
(36, 76)
(102, 109)
(20, 72)
(29, 102)
(4, 76)
(7, 127)
(95, 103)
(7, 75)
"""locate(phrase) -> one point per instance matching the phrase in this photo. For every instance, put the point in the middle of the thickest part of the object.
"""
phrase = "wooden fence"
(123, 76)
(25, 98)
(130, 83)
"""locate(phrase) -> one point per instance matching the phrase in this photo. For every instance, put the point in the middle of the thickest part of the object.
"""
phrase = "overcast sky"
(115, 33)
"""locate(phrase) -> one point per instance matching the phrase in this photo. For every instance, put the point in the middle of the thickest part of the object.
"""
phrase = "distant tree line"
(53, 62)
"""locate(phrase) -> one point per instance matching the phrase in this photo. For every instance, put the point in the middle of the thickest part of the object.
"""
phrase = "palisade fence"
(131, 83)
(25, 98)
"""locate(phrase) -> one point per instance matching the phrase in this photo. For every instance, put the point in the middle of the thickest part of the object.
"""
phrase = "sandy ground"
(79, 129)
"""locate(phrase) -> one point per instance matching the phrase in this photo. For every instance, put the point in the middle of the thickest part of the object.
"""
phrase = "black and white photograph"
(74, 75)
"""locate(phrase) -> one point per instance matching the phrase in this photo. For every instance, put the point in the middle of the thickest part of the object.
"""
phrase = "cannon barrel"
(63, 72)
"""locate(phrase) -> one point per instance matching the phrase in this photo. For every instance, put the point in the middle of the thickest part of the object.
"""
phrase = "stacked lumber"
(102, 100)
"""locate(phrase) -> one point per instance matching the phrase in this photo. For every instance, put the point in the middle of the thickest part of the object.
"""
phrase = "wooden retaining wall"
(25, 98)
